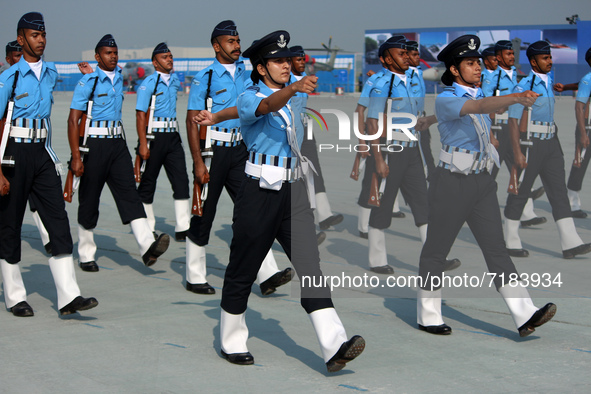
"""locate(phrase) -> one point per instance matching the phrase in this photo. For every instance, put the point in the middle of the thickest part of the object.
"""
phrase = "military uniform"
(577, 173)
(35, 175)
(222, 83)
(326, 218)
(464, 191)
(166, 148)
(12, 48)
(108, 161)
(502, 82)
(544, 158)
(273, 203)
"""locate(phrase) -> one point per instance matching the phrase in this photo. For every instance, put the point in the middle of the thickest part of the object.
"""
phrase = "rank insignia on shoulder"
(80, 83)
(585, 83)
(1, 84)
(196, 81)
(142, 88)
(369, 83)
(378, 91)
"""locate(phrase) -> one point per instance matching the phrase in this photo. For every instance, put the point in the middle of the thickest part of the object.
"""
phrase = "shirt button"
(282, 126)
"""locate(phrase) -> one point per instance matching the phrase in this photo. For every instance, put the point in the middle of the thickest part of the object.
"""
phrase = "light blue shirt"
(492, 82)
(267, 134)
(364, 99)
(224, 90)
(33, 97)
(584, 91)
(107, 98)
(166, 102)
(543, 108)
(404, 97)
(455, 130)
(415, 76)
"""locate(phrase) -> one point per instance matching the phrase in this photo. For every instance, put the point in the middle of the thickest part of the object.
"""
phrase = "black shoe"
(79, 304)
(533, 222)
(331, 221)
(443, 329)
(279, 279)
(542, 315)
(581, 249)
(384, 269)
(155, 235)
(90, 266)
(451, 264)
(320, 237)
(348, 351)
(239, 358)
(539, 192)
(47, 247)
(363, 235)
(518, 252)
(181, 236)
(200, 288)
(398, 215)
(22, 309)
(156, 249)
(579, 214)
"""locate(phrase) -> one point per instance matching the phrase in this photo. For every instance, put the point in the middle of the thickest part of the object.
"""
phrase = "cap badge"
(281, 43)
(471, 44)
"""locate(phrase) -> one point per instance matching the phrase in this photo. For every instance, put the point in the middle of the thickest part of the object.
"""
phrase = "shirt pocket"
(24, 100)
(221, 97)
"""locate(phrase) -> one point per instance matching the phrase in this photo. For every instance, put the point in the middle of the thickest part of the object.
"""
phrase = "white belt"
(225, 137)
(503, 116)
(255, 171)
(463, 162)
(542, 129)
(105, 130)
(24, 132)
(164, 124)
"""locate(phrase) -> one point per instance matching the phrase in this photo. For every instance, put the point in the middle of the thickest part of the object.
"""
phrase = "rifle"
(140, 165)
(5, 124)
(579, 150)
(524, 123)
(200, 191)
(72, 181)
(356, 164)
(376, 192)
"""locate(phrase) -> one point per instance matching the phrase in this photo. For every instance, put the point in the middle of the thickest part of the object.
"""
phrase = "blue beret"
(224, 28)
(33, 21)
(503, 44)
(490, 51)
(273, 45)
(412, 45)
(106, 41)
(13, 46)
(538, 48)
(297, 51)
(588, 55)
(160, 48)
(392, 42)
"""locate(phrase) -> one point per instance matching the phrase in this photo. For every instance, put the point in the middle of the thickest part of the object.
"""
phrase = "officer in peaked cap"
(161, 146)
(544, 158)
(325, 216)
(464, 191)
(501, 82)
(489, 59)
(274, 203)
(221, 83)
(31, 173)
(107, 161)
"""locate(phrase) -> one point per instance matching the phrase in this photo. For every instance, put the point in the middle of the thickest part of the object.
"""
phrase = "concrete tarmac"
(150, 335)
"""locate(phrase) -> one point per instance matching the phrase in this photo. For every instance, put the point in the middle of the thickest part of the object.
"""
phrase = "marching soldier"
(326, 218)
(13, 55)
(535, 131)
(407, 165)
(464, 191)
(221, 83)
(581, 162)
(274, 203)
(107, 159)
(160, 142)
(501, 82)
(490, 61)
(30, 169)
